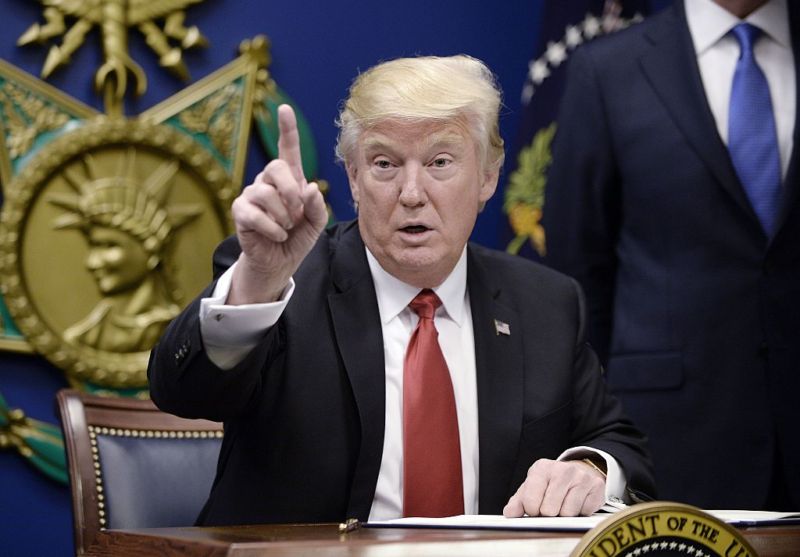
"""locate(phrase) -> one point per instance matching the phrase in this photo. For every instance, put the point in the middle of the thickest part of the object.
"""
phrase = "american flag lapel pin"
(501, 328)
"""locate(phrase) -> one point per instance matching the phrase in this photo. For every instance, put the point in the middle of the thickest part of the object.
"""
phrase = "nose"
(94, 260)
(412, 186)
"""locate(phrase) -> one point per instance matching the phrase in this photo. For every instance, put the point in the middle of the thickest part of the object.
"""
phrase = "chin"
(419, 268)
(418, 257)
(106, 286)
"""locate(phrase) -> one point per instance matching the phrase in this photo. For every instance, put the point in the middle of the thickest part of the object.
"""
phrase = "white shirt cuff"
(231, 332)
(616, 481)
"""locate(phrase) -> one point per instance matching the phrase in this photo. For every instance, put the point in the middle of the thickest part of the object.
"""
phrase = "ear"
(489, 184)
(352, 176)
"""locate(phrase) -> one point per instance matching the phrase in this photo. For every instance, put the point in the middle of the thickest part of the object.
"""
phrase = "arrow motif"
(114, 17)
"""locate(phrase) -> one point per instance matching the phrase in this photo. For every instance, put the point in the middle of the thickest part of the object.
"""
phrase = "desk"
(324, 540)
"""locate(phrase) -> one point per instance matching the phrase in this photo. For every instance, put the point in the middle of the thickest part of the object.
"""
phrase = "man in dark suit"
(685, 234)
(319, 350)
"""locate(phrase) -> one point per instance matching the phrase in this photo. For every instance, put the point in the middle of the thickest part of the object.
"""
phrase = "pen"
(349, 525)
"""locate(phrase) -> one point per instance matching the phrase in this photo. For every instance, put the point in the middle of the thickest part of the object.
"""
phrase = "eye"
(441, 162)
(382, 163)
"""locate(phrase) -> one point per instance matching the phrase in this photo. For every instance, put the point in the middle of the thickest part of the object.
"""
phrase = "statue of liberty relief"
(127, 226)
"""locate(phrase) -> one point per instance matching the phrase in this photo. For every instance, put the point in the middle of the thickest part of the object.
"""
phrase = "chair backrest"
(132, 465)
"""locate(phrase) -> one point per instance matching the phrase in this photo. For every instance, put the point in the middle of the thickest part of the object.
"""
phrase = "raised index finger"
(289, 142)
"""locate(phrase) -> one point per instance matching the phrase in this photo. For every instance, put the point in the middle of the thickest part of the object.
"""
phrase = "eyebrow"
(444, 139)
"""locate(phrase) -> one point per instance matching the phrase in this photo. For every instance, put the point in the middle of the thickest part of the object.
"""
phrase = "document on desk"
(570, 523)
(756, 518)
(498, 522)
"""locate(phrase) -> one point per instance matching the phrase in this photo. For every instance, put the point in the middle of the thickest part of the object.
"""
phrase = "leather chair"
(133, 466)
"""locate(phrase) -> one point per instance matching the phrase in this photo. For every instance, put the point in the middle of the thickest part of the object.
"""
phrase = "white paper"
(752, 517)
(467, 521)
(564, 523)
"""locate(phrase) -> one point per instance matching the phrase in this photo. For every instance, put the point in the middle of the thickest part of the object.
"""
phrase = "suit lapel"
(499, 368)
(681, 91)
(356, 323)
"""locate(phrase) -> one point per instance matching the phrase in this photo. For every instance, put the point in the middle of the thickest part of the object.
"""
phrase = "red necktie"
(432, 484)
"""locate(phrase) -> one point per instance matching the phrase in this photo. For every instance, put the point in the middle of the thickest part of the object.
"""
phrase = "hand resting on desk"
(558, 488)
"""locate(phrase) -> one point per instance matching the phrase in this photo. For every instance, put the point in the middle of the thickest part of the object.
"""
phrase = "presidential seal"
(99, 241)
(663, 529)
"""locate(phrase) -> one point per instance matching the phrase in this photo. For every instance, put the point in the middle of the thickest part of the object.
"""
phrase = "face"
(116, 259)
(419, 187)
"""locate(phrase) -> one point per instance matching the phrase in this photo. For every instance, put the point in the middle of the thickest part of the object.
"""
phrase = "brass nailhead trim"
(94, 431)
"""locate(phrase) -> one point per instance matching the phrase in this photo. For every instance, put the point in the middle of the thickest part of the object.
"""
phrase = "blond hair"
(425, 88)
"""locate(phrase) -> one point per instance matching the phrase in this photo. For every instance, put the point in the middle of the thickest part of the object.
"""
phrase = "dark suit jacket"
(696, 312)
(304, 412)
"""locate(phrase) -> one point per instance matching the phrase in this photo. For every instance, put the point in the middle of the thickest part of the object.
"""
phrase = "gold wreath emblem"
(100, 240)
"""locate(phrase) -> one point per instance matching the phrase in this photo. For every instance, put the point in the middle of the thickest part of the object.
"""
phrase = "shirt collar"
(394, 295)
(709, 22)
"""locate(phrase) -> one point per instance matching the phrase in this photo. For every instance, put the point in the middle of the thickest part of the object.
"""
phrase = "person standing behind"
(673, 198)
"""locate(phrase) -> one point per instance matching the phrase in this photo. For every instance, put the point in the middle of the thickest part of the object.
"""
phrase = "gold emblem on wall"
(73, 19)
(108, 222)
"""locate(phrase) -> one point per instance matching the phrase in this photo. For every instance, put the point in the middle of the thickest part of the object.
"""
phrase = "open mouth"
(415, 229)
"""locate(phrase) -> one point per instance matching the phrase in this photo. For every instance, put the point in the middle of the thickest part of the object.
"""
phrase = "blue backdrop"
(317, 49)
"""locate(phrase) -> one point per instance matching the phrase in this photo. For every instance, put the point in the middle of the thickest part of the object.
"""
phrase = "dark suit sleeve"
(185, 382)
(581, 211)
(598, 418)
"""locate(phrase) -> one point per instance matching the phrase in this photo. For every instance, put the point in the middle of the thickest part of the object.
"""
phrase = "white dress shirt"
(230, 332)
(453, 321)
(717, 52)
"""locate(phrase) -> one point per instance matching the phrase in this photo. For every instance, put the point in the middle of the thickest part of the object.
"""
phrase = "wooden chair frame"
(83, 417)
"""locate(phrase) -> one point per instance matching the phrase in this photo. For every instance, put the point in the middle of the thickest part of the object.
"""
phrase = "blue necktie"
(752, 140)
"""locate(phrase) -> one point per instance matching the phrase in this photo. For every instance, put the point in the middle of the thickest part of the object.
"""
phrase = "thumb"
(514, 507)
(314, 206)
